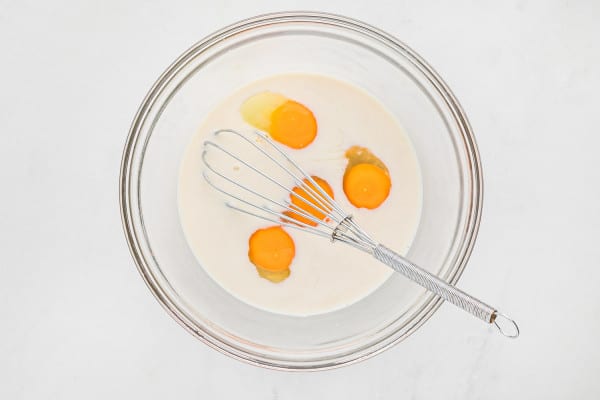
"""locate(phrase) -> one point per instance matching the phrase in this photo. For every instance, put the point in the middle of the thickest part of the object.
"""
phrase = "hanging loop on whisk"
(505, 325)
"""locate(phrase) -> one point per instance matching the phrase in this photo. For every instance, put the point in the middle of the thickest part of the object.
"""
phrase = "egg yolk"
(271, 249)
(366, 186)
(308, 204)
(366, 181)
(286, 121)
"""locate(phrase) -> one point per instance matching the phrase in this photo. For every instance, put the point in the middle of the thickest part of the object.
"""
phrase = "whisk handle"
(447, 292)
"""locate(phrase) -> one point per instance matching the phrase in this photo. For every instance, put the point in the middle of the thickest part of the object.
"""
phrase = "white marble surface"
(77, 321)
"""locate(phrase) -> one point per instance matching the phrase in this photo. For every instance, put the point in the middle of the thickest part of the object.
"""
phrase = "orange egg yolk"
(366, 186)
(293, 124)
(271, 249)
(286, 121)
(366, 181)
(308, 204)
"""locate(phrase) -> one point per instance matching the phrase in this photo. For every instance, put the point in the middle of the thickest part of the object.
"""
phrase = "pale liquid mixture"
(324, 276)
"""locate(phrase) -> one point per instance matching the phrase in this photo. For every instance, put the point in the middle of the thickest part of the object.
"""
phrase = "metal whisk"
(274, 167)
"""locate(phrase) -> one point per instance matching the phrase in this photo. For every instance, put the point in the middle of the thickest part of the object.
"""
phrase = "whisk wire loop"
(322, 201)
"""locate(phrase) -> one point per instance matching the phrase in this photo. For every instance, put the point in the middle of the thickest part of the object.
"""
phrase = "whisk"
(274, 167)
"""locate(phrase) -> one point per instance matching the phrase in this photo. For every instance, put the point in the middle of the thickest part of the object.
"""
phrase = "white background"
(77, 321)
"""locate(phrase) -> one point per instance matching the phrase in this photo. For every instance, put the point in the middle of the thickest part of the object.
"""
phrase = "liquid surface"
(322, 276)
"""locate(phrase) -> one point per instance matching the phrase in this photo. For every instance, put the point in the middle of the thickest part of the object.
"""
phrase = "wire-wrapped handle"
(435, 284)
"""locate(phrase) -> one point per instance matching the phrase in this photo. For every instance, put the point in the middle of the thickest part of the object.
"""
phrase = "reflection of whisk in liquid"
(272, 167)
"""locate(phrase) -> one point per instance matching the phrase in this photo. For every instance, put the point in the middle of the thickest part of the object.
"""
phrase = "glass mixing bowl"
(315, 43)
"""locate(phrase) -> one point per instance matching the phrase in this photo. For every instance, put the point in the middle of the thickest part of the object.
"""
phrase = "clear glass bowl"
(313, 43)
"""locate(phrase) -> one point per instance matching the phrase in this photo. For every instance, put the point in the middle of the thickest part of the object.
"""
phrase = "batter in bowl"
(322, 277)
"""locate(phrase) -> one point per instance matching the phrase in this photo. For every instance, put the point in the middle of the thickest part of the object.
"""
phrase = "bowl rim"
(125, 201)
